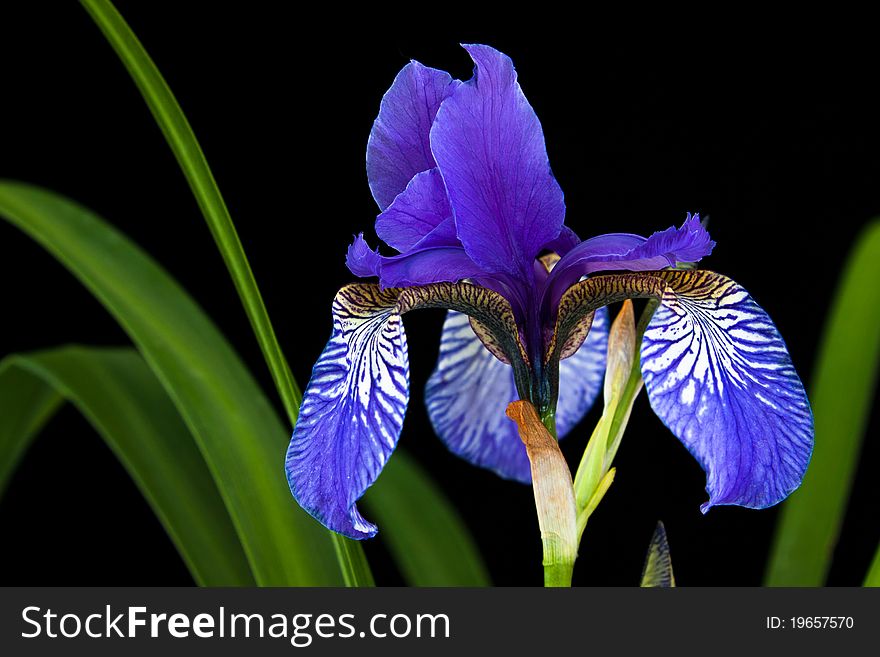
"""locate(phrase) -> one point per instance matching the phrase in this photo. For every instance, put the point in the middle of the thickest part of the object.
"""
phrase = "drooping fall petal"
(720, 377)
(352, 410)
(470, 388)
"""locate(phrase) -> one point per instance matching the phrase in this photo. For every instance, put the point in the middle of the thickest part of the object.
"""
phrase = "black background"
(775, 138)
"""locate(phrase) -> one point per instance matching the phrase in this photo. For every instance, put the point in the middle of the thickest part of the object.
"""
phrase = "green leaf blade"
(424, 533)
(183, 143)
(873, 577)
(841, 394)
(122, 399)
(235, 427)
(26, 404)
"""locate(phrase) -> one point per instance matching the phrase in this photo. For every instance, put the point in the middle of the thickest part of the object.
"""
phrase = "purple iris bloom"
(467, 198)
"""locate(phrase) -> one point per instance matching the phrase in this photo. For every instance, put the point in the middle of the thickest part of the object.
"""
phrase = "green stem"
(558, 566)
(554, 495)
(557, 574)
(548, 419)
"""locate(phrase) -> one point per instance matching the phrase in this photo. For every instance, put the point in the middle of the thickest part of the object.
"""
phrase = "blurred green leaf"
(122, 399)
(26, 403)
(237, 431)
(182, 141)
(239, 436)
(873, 578)
(841, 393)
(658, 563)
(427, 538)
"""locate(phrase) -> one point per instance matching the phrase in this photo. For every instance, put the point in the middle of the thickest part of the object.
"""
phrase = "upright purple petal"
(489, 146)
(624, 251)
(719, 376)
(470, 389)
(352, 410)
(415, 212)
(398, 147)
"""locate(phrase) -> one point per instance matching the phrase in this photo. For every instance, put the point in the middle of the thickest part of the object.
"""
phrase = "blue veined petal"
(718, 374)
(470, 389)
(352, 411)
(466, 398)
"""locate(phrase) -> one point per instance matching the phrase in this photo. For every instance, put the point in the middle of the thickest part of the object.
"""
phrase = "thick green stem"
(548, 419)
(557, 571)
(558, 563)
(554, 494)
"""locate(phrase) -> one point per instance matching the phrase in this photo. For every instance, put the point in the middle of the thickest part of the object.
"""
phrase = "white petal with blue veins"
(718, 374)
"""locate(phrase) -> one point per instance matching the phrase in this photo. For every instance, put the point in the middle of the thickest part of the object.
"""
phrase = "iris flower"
(467, 198)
